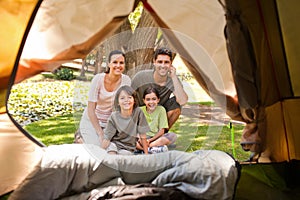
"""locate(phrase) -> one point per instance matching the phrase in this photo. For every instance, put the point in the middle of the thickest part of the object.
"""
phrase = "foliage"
(135, 16)
(34, 101)
(64, 74)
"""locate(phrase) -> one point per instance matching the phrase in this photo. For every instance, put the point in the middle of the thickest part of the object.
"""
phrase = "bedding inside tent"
(252, 44)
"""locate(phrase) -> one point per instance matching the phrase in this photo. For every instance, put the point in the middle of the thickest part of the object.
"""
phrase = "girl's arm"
(157, 135)
(144, 142)
(105, 143)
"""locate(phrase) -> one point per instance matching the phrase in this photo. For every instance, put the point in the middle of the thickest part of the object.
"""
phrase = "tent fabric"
(18, 155)
(269, 181)
(72, 171)
(202, 48)
(67, 39)
(288, 15)
(195, 29)
(15, 17)
(270, 75)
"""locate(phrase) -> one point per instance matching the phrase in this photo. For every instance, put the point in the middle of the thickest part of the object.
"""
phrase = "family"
(127, 116)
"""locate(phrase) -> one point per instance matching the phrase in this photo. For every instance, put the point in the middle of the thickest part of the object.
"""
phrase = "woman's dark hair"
(114, 52)
(149, 90)
(163, 51)
(130, 91)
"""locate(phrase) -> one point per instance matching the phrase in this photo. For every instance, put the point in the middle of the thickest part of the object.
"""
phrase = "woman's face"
(126, 101)
(117, 64)
(151, 101)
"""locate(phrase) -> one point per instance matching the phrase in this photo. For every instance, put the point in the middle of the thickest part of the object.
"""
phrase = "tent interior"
(242, 53)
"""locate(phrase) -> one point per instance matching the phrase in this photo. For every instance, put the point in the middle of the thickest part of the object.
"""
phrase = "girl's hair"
(114, 52)
(149, 90)
(130, 91)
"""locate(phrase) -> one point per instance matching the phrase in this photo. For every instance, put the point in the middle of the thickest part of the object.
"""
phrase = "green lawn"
(191, 136)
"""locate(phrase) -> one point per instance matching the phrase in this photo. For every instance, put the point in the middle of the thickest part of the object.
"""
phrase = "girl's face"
(117, 64)
(151, 101)
(126, 101)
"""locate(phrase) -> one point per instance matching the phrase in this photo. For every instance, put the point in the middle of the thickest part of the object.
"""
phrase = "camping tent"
(253, 44)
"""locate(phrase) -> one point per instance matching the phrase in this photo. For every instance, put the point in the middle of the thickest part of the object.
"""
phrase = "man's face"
(162, 64)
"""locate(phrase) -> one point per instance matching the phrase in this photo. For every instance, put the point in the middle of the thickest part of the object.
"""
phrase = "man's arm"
(180, 94)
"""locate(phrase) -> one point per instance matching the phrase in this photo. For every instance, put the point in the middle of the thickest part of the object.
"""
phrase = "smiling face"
(151, 101)
(126, 101)
(162, 64)
(117, 64)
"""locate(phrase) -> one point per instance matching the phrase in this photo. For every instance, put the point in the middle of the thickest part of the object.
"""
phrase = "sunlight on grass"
(54, 130)
(191, 134)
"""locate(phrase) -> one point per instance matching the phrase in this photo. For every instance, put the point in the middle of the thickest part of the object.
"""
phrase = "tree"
(137, 36)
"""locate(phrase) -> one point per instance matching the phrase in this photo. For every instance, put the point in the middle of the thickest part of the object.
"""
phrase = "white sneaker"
(158, 149)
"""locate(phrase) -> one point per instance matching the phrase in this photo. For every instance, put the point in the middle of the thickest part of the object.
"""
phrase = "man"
(164, 78)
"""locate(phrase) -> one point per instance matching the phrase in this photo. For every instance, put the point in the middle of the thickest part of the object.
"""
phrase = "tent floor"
(269, 181)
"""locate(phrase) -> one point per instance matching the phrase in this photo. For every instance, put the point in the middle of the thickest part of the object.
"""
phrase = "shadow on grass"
(54, 130)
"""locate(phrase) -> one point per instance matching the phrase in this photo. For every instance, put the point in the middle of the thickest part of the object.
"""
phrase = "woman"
(101, 97)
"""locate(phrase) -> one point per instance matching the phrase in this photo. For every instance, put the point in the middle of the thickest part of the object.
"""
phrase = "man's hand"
(172, 71)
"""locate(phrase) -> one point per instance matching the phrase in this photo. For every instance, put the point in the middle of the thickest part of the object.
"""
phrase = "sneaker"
(158, 149)
(136, 152)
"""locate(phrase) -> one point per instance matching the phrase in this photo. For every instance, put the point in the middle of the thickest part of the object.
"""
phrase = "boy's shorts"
(113, 148)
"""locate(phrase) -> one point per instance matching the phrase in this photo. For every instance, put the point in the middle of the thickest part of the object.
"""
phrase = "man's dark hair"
(163, 51)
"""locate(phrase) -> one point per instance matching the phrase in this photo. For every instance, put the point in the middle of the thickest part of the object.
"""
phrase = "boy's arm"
(105, 143)
(144, 142)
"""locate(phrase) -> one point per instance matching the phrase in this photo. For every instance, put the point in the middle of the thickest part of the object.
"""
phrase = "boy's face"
(151, 101)
(126, 101)
(162, 64)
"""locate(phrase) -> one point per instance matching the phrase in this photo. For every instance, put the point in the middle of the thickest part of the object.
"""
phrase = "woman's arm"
(93, 118)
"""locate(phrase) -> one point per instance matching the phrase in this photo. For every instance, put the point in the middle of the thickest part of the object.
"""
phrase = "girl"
(125, 125)
(157, 119)
(101, 97)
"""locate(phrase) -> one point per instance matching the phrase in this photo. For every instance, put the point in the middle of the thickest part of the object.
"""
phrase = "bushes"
(34, 101)
(64, 74)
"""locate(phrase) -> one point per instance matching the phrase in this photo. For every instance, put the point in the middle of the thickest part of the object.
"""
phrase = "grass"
(54, 130)
(191, 135)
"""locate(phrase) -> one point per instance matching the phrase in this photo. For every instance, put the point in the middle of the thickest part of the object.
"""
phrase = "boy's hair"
(149, 90)
(163, 51)
(130, 91)
(114, 52)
